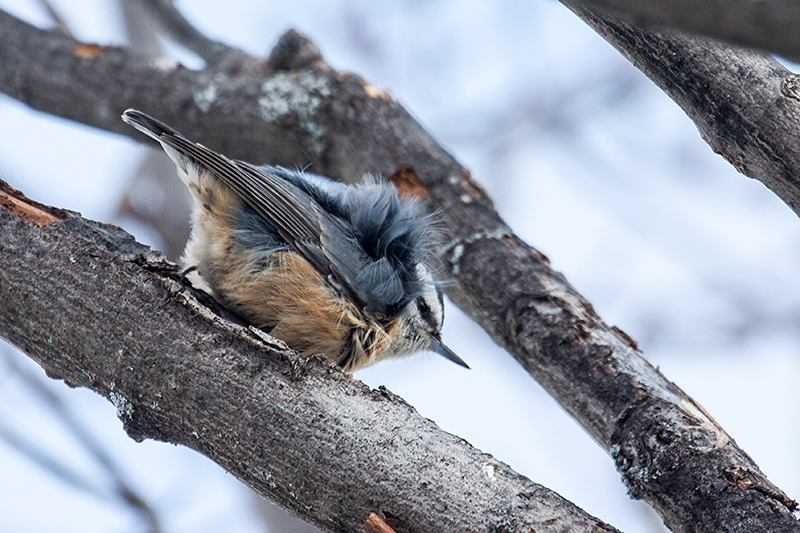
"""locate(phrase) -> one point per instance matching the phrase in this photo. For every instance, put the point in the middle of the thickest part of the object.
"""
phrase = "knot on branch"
(294, 52)
(746, 479)
(790, 86)
(407, 182)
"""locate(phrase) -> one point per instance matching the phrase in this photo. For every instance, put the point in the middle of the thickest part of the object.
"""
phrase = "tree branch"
(99, 310)
(770, 25)
(217, 55)
(668, 450)
(745, 104)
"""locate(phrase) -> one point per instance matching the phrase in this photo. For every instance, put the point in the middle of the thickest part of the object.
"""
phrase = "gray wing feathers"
(329, 243)
(277, 201)
(323, 240)
(281, 204)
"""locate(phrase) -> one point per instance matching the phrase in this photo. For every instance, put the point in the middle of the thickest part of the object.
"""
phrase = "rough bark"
(668, 450)
(98, 310)
(745, 104)
(770, 25)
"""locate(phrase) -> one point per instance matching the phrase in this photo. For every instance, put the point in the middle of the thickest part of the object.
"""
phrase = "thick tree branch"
(770, 25)
(99, 310)
(745, 104)
(668, 450)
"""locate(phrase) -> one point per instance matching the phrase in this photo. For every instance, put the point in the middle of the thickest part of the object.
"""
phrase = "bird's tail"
(147, 124)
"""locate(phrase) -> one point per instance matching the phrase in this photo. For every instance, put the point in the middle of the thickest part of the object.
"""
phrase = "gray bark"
(770, 25)
(667, 449)
(98, 310)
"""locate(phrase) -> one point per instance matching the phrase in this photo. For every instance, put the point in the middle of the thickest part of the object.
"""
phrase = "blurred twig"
(56, 406)
(216, 54)
(47, 462)
(61, 25)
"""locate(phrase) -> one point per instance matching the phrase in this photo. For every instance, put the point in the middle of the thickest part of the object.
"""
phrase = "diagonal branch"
(668, 450)
(770, 25)
(745, 104)
(98, 310)
(172, 21)
(217, 54)
(60, 24)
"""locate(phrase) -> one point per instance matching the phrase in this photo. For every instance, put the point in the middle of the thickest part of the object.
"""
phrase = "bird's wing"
(323, 240)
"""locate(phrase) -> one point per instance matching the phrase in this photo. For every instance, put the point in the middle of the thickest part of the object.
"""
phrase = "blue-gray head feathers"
(394, 232)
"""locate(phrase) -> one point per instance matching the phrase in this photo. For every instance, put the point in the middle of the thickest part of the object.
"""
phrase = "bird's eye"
(422, 306)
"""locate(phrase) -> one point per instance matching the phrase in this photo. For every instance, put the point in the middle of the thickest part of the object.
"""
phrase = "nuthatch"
(326, 267)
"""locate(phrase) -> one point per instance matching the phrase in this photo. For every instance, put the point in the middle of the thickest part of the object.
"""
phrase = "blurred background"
(585, 159)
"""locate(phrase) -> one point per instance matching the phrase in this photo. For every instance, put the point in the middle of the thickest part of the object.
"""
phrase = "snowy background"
(586, 160)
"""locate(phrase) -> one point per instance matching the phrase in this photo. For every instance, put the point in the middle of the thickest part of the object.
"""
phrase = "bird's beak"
(438, 347)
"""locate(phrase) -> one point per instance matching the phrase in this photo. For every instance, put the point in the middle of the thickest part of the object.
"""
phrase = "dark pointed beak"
(438, 347)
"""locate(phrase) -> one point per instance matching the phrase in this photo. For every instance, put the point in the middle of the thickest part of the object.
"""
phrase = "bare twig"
(61, 26)
(82, 434)
(218, 55)
(47, 462)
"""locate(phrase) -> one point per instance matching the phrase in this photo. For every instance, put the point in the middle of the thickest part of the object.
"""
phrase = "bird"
(331, 268)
